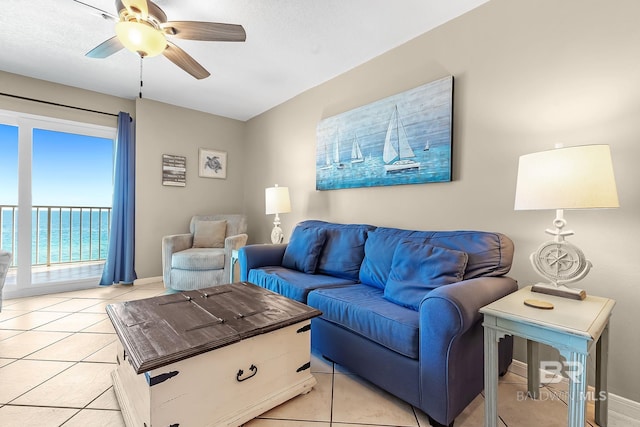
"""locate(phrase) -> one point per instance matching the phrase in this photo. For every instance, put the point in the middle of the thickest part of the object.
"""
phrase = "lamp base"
(559, 291)
(277, 235)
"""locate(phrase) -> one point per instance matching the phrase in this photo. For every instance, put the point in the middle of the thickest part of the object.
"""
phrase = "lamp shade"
(141, 38)
(277, 200)
(567, 178)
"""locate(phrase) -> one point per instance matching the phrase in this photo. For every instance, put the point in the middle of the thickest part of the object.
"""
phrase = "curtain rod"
(57, 104)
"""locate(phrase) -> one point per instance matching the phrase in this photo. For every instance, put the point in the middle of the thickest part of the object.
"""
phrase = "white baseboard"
(622, 412)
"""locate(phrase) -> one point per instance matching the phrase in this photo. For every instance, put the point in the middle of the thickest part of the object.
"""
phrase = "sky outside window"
(8, 165)
(71, 170)
(67, 170)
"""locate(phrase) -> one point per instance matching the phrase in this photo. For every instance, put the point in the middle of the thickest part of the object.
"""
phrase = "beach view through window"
(71, 191)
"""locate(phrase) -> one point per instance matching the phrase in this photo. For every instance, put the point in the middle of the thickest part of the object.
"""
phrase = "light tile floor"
(57, 352)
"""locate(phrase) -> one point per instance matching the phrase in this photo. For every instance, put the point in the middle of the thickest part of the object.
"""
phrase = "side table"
(234, 260)
(572, 327)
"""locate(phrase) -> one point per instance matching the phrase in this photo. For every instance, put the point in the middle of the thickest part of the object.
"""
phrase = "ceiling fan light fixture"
(141, 38)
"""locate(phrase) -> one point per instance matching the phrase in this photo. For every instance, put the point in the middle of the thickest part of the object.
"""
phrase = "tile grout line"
(38, 385)
(73, 362)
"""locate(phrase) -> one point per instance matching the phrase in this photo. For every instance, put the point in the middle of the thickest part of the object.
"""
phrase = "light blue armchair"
(202, 258)
(5, 261)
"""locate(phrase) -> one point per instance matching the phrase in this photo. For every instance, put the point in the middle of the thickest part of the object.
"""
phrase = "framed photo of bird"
(212, 163)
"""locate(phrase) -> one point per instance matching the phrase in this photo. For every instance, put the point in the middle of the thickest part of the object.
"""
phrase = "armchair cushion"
(198, 259)
(304, 249)
(418, 268)
(209, 234)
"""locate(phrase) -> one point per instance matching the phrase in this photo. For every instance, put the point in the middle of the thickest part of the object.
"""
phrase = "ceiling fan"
(142, 27)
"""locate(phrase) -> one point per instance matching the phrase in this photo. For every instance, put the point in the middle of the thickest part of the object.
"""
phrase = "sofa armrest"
(256, 256)
(451, 342)
(463, 300)
(232, 243)
(170, 245)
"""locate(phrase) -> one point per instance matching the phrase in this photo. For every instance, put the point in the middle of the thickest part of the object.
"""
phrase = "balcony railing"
(60, 234)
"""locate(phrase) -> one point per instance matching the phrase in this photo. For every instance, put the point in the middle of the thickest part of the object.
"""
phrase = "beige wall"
(162, 210)
(527, 75)
(26, 87)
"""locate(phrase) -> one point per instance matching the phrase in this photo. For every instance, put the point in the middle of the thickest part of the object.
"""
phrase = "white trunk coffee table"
(212, 357)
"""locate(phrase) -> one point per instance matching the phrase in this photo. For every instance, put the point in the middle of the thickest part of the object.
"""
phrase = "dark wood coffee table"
(218, 356)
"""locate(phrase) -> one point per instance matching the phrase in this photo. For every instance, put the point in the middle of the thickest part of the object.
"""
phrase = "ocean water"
(75, 234)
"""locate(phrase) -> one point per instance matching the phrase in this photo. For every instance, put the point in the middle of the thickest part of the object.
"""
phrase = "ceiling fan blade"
(106, 48)
(103, 13)
(139, 7)
(183, 60)
(207, 31)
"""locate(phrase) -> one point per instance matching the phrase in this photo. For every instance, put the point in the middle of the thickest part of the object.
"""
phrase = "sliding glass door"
(9, 193)
(56, 211)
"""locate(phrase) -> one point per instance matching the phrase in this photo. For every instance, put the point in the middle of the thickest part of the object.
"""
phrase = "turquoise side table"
(573, 327)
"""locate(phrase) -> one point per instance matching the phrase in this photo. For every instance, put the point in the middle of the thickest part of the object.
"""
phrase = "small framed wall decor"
(174, 170)
(212, 163)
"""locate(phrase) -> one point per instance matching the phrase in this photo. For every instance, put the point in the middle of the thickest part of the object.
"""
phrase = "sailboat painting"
(356, 153)
(402, 139)
(397, 152)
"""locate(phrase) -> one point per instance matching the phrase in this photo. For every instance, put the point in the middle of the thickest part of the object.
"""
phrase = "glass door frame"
(26, 123)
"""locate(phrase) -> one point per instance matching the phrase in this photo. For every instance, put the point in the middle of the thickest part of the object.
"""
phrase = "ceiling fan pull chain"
(140, 93)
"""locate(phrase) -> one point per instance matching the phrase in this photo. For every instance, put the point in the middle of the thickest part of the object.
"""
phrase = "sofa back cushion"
(417, 268)
(304, 249)
(343, 249)
(489, 254)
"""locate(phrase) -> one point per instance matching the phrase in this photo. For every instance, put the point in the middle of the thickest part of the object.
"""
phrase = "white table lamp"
(276, 202)
(564, 178)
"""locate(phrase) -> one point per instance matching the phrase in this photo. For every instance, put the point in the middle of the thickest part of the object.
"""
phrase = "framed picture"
(402, 139)
(212, 163)
(174, 170)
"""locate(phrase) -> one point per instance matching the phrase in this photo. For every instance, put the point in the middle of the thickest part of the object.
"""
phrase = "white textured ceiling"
(292, 46)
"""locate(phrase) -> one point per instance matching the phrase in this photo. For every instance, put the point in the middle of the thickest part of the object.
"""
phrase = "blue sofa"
(399, 307)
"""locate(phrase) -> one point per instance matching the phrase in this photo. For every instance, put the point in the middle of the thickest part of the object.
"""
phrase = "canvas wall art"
(402, 139)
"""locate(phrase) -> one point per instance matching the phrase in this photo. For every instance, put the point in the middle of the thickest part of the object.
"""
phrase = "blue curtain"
(120, 260)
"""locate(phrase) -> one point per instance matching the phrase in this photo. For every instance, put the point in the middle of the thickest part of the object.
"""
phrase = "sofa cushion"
(418, 268)
(209, 234)
(198, 259)
(378, 255)
(489, 254)
(304, 249)
(292, 283)
(362, 309)
(343, 249)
